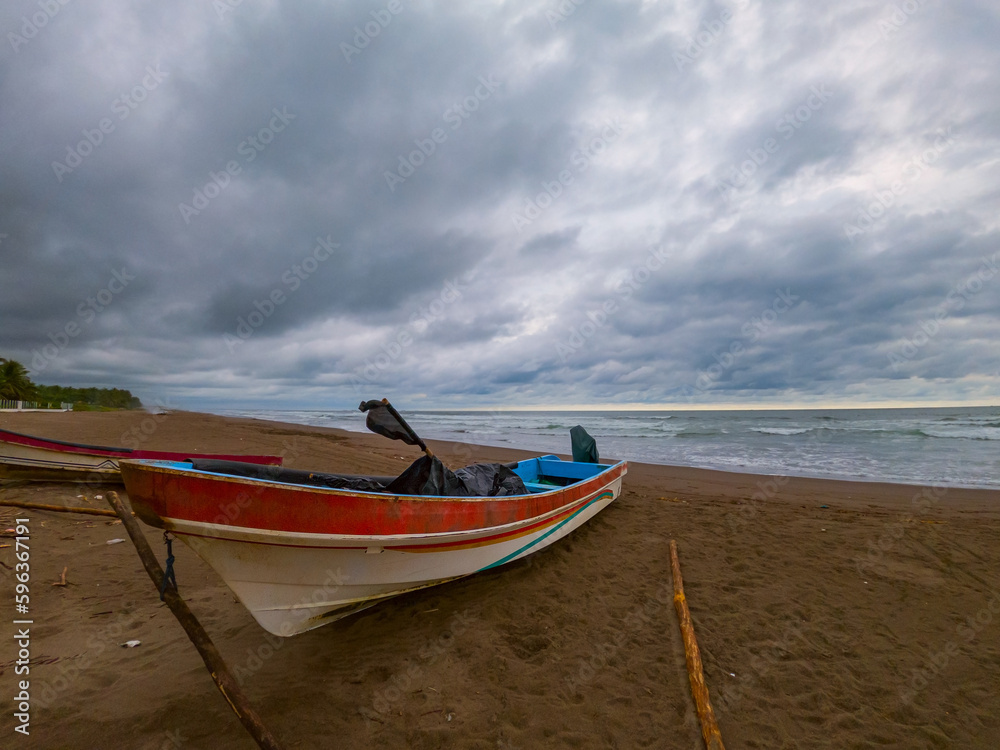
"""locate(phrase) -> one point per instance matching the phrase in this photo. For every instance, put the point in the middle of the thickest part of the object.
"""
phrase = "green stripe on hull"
(551, 531)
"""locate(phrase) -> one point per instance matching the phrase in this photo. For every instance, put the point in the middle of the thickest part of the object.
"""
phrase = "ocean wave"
(864, 430)
(781, 430)
(911, 432)
(638, 436)
(985, 433)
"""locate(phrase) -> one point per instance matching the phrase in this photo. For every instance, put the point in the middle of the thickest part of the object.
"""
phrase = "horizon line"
(634, 407)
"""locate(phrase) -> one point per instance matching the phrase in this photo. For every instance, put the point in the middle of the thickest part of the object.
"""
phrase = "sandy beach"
(830, 614)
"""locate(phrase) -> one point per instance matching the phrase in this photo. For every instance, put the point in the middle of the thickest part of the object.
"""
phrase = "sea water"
(957, 447)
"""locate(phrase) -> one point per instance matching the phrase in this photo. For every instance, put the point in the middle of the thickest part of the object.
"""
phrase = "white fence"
(7, 405)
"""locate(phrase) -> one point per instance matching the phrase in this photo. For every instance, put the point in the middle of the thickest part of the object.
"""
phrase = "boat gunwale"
(64, 446)
(109, 452)
(156, 466)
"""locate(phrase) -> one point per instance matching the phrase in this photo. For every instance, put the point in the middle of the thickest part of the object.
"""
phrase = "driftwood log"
(223, 678)
(709, 727)
(59, 508)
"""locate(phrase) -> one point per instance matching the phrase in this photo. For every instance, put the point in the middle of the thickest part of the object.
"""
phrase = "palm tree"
(14, 381)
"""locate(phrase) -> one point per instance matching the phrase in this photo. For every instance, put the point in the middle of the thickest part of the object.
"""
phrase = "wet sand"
(829, 614)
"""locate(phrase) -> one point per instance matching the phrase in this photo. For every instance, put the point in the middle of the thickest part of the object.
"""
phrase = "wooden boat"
(44, 459)
(299, 555)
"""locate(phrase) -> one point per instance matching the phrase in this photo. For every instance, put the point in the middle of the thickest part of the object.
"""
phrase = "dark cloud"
(694, 202)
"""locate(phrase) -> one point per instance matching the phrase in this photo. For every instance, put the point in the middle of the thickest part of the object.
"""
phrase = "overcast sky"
(503, 203)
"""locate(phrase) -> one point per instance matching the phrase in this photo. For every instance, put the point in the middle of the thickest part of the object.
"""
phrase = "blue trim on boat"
(554, 529)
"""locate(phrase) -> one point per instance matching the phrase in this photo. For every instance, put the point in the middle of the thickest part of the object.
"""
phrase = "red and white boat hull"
(43, 459)
(27, 461)
(302, 576)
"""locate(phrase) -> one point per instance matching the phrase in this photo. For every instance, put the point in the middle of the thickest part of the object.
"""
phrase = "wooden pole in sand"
(709, 727)
(59, 508)
(223, 678)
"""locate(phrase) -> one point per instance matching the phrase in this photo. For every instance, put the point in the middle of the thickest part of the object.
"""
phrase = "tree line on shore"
(16, 385)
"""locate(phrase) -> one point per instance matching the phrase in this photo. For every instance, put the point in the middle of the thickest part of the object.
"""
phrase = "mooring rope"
(168, 573)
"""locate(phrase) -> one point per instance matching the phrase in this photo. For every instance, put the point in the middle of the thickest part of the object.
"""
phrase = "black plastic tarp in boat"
(291, 476)
(425, 476)
(491, 480)
(428, 476)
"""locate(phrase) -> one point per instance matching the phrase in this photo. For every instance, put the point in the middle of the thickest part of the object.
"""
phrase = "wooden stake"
(223, 678)
(709, 727)
(59, 508)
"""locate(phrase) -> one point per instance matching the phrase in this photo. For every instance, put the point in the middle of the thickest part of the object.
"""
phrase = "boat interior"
(546, 473)
(542, 474)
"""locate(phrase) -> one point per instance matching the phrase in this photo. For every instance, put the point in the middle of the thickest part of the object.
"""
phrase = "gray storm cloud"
(502, 203)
